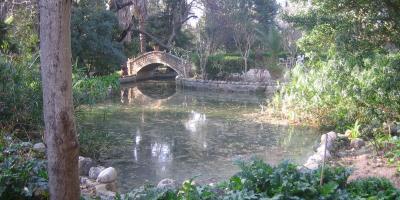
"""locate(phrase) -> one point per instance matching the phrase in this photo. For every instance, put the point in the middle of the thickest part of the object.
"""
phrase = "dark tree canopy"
(94, 38)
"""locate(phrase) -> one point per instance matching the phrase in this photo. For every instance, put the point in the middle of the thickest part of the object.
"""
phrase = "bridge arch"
(179, 65)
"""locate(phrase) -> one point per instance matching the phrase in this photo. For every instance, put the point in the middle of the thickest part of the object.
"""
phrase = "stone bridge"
(142, 66)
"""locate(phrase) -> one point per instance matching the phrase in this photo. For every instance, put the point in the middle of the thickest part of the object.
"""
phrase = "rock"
(321, 151)
(329, 139)
(393, 128)
(86, 182)
(83, 180)
(166, 184)
(95, 171)
(108, 175)
(26, 146)
(314, 161)
(341, 154)
(357, 143)
(111, 187)
(84, 165)
(103, 193)
(39, 147)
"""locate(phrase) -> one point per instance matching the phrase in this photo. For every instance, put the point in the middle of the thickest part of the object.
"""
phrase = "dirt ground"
(365, 163)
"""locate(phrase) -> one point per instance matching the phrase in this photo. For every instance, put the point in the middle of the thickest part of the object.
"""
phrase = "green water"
(153, 131)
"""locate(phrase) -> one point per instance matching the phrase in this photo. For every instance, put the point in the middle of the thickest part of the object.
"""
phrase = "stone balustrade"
(227, 86)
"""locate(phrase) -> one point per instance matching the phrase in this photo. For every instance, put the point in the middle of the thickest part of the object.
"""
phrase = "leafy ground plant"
(23, 173)
(258, 180)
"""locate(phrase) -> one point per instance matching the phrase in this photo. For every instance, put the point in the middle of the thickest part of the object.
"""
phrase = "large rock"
(357, 143)
(328, 139)
(323, 151)
(257, 75)
(108, 175)
(84, 165)
(166, 184)
(95, 171)
(39, 147)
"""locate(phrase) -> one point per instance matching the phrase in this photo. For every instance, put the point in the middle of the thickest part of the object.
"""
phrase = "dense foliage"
(351, 75)
(94, 31)
(23, 172)
(222, 65)
(88, 91)
(258, 180)
(20, 85)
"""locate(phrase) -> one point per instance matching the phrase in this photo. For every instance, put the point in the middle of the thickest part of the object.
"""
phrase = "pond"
(154, 131)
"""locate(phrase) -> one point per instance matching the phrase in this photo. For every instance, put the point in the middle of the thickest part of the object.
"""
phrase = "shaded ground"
(365, 163)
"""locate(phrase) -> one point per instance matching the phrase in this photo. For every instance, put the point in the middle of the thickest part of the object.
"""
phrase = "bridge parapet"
(181, 66)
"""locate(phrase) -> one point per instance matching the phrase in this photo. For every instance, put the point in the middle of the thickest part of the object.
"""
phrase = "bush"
(332, 93)
(94, 89)
(23, 175)
(258, 180)
(20, 85)
(222, 64)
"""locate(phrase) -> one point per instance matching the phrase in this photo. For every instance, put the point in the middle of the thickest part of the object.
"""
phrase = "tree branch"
(152, 37)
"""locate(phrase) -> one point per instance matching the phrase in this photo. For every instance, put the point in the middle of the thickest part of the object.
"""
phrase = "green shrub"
(258, 180)
(373, 188)
(23, 175)
(94, 89)
(20, 95)
(337, 93)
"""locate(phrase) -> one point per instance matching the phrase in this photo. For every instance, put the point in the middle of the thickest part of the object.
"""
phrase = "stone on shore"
(166, 184)
(84, 165)
(39, 147)
(323, 151)
(108, 175)
(95, 171)
(357, 143)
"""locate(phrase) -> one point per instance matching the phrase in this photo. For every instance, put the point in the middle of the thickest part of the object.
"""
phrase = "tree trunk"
(141, 13)
(245, 64)
(56, 71)
(124, 15)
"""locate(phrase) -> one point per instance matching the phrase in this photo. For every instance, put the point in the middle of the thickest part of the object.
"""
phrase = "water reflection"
(188, 134)
(196, 121)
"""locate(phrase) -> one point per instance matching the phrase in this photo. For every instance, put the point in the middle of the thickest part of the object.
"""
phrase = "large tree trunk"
(141, 13)
(124, 15)
(60, 134)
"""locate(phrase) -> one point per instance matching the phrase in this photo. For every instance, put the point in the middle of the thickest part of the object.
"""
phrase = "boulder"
(95, 171)
(321, 151)
(84, 165)
(39, 147)
(166, 184)
(357, 143)
(108, 175)
(329, 139)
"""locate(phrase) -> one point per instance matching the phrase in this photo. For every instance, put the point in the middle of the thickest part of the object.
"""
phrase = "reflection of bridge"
(142, 67)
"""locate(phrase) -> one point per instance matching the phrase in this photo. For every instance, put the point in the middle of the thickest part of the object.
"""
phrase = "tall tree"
(124, 15)
(141, 13)
(56, 66)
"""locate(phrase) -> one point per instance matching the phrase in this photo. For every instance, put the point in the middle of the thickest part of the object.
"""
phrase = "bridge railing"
(159, 57)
